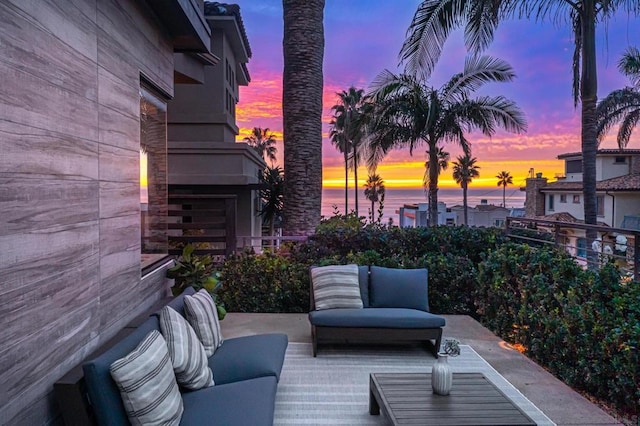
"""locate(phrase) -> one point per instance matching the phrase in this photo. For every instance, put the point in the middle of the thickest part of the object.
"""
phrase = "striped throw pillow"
(147, 384)
(200, 310)
(187, 354)
(336, 286)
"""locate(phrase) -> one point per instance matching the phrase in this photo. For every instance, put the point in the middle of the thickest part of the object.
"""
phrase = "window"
(153, 176)
(563, 198)
(551, 203)
(620, 160)
(600, 205)
(576, 199)
(498, 223)
(581, 247)
(573, 166)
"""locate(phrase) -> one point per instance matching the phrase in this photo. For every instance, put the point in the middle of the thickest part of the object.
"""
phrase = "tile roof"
(565, 217)
(214, 8)
(602, 152)
(630, 182)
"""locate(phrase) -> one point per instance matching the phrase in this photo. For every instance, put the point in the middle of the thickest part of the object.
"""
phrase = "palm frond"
(627, 126)
(614, 108)
(478, 70)
(432, 23)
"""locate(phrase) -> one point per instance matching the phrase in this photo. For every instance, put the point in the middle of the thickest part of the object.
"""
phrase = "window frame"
(154, 240)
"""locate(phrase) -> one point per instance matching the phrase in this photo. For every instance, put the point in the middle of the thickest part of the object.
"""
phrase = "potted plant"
(198, 272)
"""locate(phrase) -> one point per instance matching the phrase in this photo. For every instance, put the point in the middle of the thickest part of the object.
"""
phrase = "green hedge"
(280, 282)
(583, 326)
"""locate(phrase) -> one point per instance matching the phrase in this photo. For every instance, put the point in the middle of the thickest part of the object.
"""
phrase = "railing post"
(636, 256)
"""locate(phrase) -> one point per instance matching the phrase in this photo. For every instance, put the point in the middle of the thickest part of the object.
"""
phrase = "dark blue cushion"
(363, 279)
(103, 392)
(250, 402)
(178, 302)
(249, 357)
(399, 288)
(376, 318)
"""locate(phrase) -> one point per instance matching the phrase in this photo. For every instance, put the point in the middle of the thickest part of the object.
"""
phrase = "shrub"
(264, 283)
(583, 326)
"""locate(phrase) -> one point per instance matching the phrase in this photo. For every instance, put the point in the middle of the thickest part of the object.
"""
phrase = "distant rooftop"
(614, 152)
(214, 8)
(629, 182)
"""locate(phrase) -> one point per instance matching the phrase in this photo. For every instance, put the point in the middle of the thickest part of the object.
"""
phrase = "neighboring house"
(84, 87)
(482, 214)
(413, 215)
(617, 192)
(617, 188)
(208, 170)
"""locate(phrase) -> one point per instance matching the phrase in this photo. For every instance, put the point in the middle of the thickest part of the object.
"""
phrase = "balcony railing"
(617, 245)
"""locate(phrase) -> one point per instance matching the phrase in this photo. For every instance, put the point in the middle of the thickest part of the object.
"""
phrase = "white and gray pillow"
(336, 286)
(187, 354)
(200, 310)
(147, 384)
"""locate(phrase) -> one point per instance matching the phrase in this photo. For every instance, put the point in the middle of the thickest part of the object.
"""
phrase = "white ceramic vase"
(441, 375)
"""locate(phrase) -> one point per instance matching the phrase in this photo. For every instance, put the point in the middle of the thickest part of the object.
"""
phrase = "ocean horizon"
(398, 197)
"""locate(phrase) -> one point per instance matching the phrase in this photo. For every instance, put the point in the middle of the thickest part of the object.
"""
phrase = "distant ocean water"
(396, 198)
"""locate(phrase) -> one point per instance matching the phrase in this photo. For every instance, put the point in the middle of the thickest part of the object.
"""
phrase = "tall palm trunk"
(504, 196)
(355, 172)
(303, 49)
(464, 203)
(346, 180)
(589, 98)
(433, 186)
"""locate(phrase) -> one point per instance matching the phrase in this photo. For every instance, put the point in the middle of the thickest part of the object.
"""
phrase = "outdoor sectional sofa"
(395, 308)
(246, 371)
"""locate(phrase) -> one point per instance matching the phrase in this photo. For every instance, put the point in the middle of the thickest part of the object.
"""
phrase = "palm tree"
(348, 121)
(408, 113)
(303, 49)
(374, 191)
(464, 171)
(339, 140)
(271, 195)
(263, 142)
(442, 164)
(622, 105)
(629, 65)
(504, 179)
(434, 20)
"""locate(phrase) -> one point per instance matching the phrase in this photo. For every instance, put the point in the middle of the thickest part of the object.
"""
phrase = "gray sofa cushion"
(103, 392)
(375, 318)
(363, 280)
(249, 357)
(250, 402)
(399, 288)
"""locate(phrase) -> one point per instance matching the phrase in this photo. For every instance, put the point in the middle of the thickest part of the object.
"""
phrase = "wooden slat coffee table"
(407, 398)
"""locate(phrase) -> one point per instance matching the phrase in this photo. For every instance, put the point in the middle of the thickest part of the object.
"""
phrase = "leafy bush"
(583, 326)
(264, 283)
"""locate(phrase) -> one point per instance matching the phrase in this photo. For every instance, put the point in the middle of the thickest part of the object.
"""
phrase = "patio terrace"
(556, 400)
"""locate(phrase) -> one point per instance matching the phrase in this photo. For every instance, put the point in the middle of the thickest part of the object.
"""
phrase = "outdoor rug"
(333, 389)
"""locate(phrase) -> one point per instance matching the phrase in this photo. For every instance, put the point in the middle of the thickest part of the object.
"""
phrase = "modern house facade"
(208, 170)
(84, 89)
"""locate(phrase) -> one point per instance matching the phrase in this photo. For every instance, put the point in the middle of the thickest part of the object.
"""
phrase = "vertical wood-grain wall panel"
(69, 187)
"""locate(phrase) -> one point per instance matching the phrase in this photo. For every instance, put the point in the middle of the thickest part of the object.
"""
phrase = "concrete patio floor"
(558, 401)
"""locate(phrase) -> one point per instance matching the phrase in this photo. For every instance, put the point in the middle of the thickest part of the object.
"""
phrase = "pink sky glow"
(362, 37)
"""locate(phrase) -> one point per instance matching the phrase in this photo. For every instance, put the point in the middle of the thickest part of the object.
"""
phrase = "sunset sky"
(362, 37)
